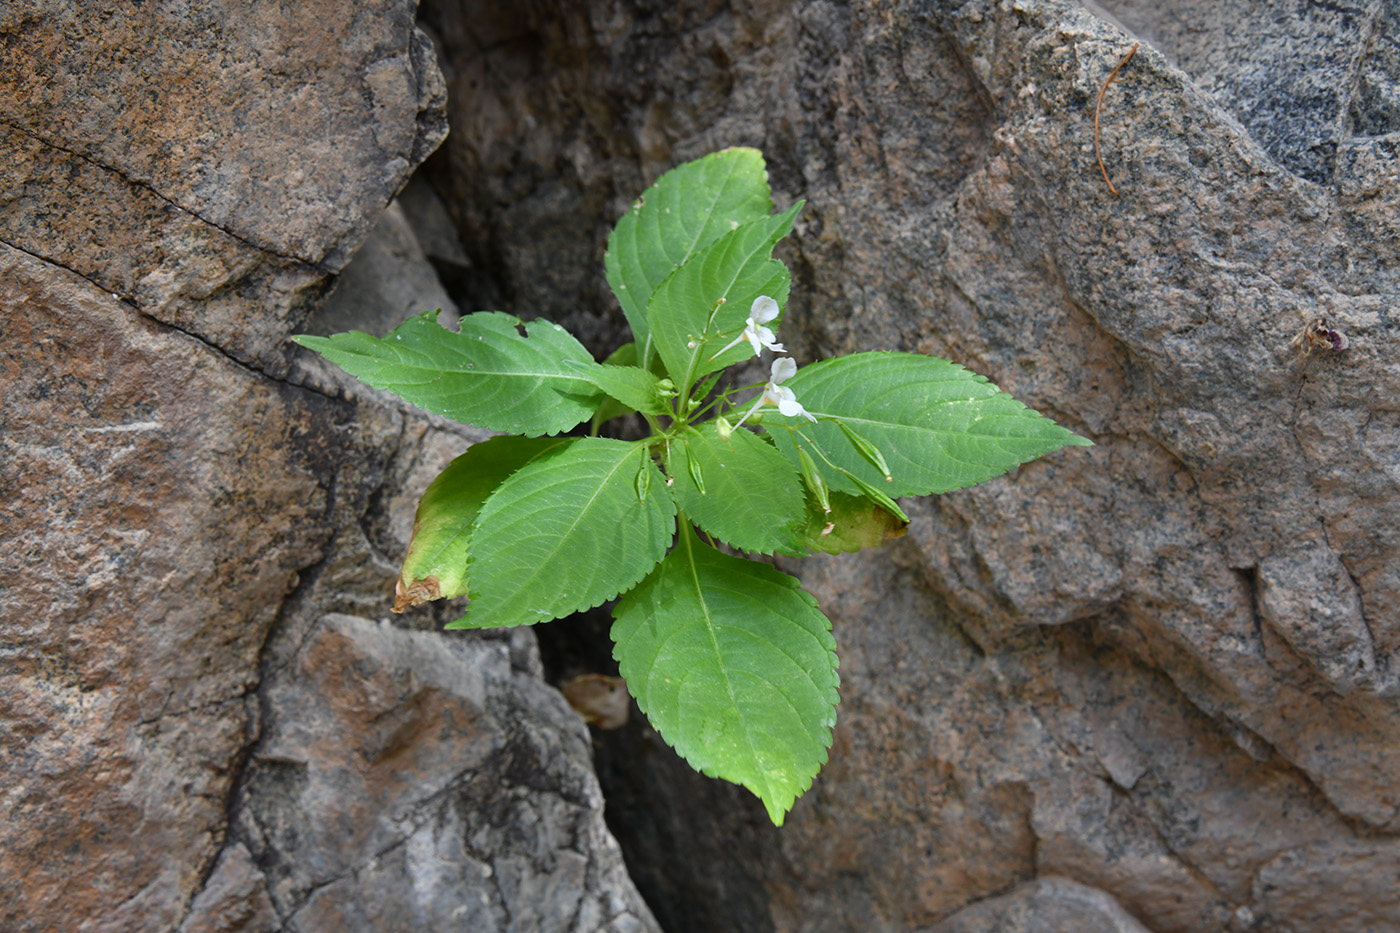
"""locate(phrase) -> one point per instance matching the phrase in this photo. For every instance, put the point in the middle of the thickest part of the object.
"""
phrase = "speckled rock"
(1165, 667)
(415, 781)
(239, 152)
(1047, 905)
(158, 503)
(201, 525)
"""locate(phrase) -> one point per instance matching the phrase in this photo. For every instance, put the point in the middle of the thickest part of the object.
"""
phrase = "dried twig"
(1099, 106)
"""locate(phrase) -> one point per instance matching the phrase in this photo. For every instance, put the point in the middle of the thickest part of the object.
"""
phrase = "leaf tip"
(415, 593)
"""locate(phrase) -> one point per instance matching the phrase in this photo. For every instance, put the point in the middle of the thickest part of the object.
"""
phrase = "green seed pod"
(694, 467)
(814, 480)
(879, 498)
(868, 451)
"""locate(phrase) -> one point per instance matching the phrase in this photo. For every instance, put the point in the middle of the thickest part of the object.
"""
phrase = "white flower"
(780, 395)
(764, 309)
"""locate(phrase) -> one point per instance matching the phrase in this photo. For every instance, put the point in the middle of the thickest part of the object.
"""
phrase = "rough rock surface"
(204, 726)
(159, 501)
(239, 151)
(1150, 683)
(417, 782)
(1046, 904)
(1164, 668)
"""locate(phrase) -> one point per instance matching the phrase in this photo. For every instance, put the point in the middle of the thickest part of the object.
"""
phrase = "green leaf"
(735, 268)
(566, 532)
(435, 566)
(749, 496)
(686, 209)
(854, 522)
(487, 374)
(703, 390)
(939, 426)
(635, 388)
(625, 355)
(736, 668)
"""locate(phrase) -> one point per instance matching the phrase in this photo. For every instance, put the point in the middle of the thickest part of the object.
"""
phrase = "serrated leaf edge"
(623, 588)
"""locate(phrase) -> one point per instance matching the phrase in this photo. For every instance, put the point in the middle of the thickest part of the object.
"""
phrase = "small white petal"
(764, 309)
(792, 408)
(783, 369)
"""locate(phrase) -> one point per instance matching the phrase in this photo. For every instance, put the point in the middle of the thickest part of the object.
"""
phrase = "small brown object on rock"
(601, 700)
(1317, 335)
(1099, 106)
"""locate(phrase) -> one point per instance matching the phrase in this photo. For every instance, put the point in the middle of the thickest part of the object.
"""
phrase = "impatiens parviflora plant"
(728, 657)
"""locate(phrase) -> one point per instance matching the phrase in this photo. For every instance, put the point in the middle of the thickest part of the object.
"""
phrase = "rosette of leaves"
(729, 658)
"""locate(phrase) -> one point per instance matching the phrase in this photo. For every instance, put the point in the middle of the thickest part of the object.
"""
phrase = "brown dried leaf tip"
(1319, 336)
(416, 593)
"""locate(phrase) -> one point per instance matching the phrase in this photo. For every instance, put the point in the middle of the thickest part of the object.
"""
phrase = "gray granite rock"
(389, 281)
(418, 781)
(1046, 905)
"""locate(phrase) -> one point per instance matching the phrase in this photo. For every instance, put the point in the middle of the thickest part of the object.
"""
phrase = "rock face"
(247, 147)
(1163, 669)
(1151, 685)
(415, 783)
(159, 502)
(204, 725)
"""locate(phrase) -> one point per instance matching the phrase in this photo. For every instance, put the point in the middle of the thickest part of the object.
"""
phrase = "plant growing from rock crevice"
(728, 657)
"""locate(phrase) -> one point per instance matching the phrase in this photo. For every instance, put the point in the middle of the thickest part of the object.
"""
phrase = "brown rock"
(158, 504)
(247, 148)
(1155, 678)
(234, 899)
(177, 520)
(1160, 667)
(380, 796)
